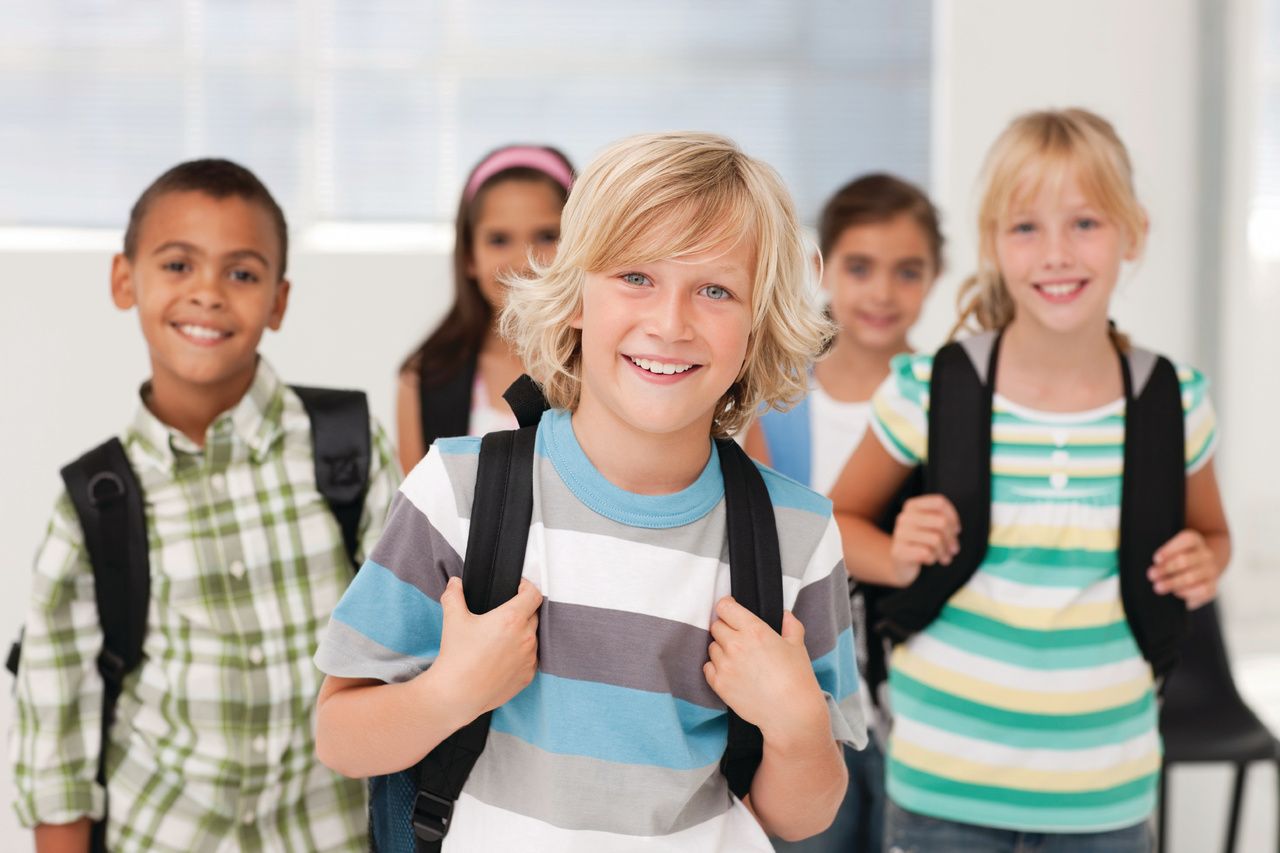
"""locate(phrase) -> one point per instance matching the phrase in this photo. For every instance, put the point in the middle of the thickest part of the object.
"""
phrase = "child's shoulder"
(786, 493)
(909, 376)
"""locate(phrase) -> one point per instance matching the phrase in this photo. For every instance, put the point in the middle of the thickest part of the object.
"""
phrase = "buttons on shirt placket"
(1058, 478)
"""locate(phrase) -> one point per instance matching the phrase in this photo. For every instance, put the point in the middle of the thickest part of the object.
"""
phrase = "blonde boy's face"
(662, 342)
(205, 278)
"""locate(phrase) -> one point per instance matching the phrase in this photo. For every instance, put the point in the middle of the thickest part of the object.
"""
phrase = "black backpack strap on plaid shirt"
(108, 501)
(755, 570)
(342, 449)
(501, 511)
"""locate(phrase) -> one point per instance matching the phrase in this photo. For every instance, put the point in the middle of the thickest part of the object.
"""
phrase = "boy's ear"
(122, 283)
(276, 317)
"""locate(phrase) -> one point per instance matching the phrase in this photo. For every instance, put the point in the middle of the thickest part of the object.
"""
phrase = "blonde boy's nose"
(670, 316)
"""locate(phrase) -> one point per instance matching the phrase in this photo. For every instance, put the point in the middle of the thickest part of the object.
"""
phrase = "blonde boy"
(676, 307)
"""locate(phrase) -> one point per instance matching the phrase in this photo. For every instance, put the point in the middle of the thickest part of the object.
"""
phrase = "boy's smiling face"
(663, 341)
(205, 278)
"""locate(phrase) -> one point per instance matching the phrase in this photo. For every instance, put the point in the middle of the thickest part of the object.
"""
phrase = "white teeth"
(1065, 289)
(660, 368)
(202, 332)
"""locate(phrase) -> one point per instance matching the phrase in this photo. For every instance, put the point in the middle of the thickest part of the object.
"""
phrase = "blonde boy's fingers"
(720, 631)
(715, 653)
(733, 614)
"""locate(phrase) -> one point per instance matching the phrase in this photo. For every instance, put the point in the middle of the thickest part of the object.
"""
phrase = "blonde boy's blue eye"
(1087, 223)
(638, 279)
(716, 292)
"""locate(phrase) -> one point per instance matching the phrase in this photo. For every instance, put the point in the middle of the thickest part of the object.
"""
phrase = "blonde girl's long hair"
(1036, 149)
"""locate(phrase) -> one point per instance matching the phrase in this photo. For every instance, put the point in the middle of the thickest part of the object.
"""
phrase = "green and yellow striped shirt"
(1026, 704)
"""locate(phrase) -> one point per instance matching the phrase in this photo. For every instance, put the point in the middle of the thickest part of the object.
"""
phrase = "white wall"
(71, 362)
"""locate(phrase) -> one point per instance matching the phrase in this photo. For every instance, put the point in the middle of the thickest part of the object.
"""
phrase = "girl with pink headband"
(452, 383)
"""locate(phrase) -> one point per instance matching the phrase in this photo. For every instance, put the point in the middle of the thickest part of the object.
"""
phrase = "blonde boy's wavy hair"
(672, 195)
(1040, 149)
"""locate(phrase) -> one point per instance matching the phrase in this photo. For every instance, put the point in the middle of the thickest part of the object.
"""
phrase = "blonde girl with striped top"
(1025, 713)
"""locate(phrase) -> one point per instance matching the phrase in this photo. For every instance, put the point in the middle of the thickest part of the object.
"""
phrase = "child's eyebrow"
(249, 253)
(178, 244)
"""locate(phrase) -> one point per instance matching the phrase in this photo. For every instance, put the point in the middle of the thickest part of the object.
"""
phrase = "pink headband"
(526, 156)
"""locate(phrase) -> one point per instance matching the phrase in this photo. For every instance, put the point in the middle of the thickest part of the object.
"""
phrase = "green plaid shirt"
(213, 746)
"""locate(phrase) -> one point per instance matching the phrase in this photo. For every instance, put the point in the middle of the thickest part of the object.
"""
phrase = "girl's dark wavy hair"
(460, 334)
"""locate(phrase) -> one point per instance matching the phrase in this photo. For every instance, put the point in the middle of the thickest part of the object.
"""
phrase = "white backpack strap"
(978, 348)
(1141, 363)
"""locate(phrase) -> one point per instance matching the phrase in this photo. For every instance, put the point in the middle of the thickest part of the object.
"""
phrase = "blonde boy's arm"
(365, 727)
(868, 482)
(63, 837)
(802, 778)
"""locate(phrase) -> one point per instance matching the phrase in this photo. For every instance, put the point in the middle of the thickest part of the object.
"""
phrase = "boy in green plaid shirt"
(212, 745)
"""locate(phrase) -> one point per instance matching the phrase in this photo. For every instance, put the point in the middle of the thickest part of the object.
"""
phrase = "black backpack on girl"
(1152, 504)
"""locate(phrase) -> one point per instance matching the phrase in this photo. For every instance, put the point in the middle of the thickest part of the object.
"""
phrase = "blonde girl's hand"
(1186, 567)
(765, 677)
(927, 531)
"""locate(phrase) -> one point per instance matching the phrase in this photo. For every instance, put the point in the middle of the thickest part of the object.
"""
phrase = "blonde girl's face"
(516, 218)
(1060, 256)
(877, 276)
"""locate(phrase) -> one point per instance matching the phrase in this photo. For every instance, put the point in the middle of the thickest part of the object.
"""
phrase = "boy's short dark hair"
(214, 177)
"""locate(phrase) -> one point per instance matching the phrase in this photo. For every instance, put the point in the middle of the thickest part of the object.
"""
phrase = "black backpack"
(445, 407)
(1152, 504)
(503, 509)
(109, 503)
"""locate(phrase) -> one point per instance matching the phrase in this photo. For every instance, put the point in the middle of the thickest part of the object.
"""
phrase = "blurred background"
(364, 116)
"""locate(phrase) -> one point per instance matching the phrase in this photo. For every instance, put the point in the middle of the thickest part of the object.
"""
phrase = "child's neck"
(851, 372)
(191, 409)
(1058, 372)
(640, 462)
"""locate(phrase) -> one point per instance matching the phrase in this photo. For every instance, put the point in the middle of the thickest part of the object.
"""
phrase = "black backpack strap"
(445, 407)
(1152, 503)
(109, 503)
(959, 467)
(501, 512)
(526, 400)
(755, 570)
(342, 447)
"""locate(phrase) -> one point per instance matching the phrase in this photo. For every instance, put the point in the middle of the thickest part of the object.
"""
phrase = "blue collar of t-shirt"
(557, 442)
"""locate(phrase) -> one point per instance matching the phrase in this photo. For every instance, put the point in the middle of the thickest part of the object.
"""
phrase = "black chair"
(1204, 719)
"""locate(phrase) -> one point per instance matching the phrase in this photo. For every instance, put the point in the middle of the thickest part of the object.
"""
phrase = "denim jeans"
(908, 832)
(859, 825)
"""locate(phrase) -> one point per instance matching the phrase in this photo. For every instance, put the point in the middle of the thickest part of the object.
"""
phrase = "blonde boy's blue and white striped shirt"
(616, 743)
(1026, 704)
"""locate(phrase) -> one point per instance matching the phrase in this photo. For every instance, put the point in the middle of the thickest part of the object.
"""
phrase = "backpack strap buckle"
(105, 487)
(431, 816)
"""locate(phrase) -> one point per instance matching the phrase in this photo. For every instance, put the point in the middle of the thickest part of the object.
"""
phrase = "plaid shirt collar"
(255, 421)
